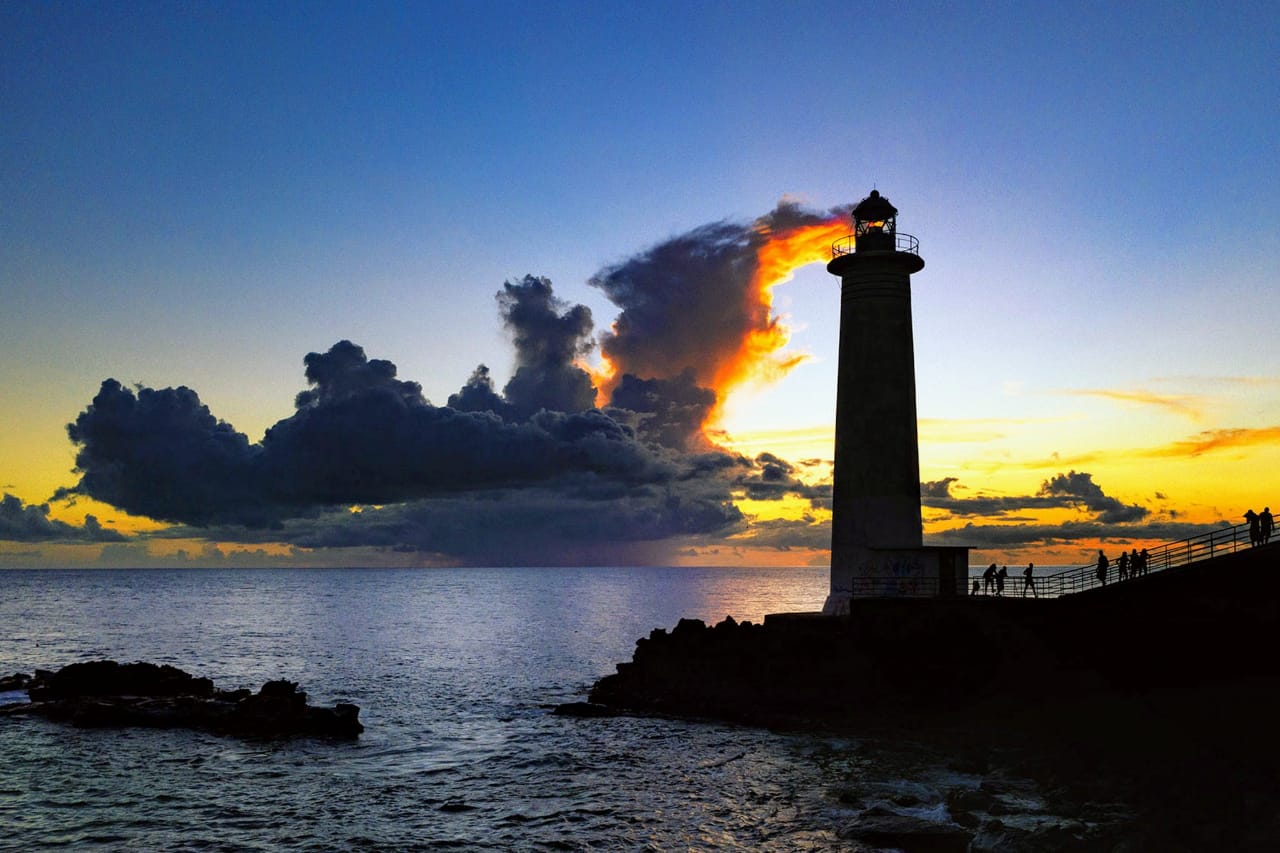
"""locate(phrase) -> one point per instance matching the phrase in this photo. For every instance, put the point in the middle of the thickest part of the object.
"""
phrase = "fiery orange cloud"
(759, 357)
(777, 259)
(603, 377)
(1218, 439)
(697, 310)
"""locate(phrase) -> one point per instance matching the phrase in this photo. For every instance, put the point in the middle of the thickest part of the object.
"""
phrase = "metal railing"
(1215, 543)
(901, 243)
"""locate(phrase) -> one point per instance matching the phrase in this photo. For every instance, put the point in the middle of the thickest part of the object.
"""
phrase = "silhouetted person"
(1103, 564)
(1255, 526)
(1145, 558)
(1000, 576)
(1265, 523)
(975, 587)
(1135, 564)
(1122, 566)
(989, 578)
(1029, 582)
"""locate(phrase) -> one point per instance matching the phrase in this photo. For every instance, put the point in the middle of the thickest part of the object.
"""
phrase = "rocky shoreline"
(1145, 715)
(106, 693)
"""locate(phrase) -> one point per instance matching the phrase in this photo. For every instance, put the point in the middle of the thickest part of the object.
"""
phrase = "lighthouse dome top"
(874, 208)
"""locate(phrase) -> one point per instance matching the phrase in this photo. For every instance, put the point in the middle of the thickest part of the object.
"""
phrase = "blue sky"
(200, 194)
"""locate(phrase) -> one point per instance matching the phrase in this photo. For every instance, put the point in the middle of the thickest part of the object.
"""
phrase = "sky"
(490, 283)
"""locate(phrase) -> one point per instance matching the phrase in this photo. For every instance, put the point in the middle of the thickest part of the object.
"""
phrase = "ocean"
(456, 672)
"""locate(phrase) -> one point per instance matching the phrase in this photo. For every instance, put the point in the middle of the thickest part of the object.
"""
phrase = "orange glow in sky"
(760, 357)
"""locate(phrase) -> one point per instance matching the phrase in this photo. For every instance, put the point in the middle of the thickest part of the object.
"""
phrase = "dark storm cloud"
(784, 534)
(480, 479)
(1074, 489)
(685, 303)
(937, 489)
(478, 395)
(771, 477)
(988, 536)
(1080, 489)
(161, 453)
(21, 522)
(537, 526)
(669, 412)
(549, 336)
(345, 372)
(360, 436)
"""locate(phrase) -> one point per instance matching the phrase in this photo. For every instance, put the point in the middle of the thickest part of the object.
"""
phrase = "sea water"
(455, 672)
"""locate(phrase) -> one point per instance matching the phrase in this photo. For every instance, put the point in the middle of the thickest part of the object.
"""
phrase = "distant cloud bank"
(21, 522)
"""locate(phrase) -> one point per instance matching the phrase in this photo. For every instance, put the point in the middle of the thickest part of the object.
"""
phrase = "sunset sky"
(200, 195)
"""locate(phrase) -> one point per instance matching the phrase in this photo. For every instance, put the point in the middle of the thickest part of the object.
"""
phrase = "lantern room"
(874, 224)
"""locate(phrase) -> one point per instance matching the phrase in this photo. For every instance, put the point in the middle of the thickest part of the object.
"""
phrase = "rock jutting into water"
(106, 693)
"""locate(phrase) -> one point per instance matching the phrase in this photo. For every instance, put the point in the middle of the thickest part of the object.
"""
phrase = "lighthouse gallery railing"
(902, 243)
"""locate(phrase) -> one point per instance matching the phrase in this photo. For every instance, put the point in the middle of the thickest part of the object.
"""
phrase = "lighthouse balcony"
(896, 242)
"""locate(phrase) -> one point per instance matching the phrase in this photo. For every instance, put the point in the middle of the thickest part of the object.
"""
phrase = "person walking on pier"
(1265, 523)
(1029, 582)
(1000, 576)
(1255, 527)
(989, 579)
(1145, 558)
(1135, 563)
(1103, 565)
(1122, 566)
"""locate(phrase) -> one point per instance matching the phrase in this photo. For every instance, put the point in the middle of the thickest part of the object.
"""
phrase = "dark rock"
(109, 678)
(849, 797)
(106, 693)
(17, 681)
(584, 709)
(886, 829)
(686, 627)
(1050, 838)
(969, 800)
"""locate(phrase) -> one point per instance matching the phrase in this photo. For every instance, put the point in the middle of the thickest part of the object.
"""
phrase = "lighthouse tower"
(876, 545)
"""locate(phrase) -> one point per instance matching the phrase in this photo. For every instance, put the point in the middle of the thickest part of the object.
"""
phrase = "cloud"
(1079, 487)
(1010, 536)
(21, 522)
(1212, 440)
(551, 525)
(688, 302)
(1182, 404)
(359, 436)
(1071, 490)
(549, 337)
(667, 411)
(938, 489)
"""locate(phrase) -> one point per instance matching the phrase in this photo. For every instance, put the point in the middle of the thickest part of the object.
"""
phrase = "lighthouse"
(876, 541)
